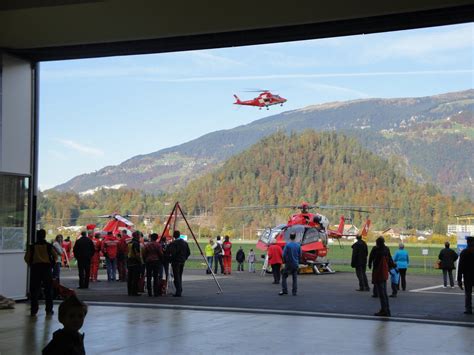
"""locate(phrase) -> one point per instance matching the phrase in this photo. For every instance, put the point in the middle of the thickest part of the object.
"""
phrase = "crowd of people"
(384, 267)
(136, 258)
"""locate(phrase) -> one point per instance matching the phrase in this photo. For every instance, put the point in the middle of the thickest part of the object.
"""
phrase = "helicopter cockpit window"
(314, 235)
(269, 234)
(266, 235)
(298, 230)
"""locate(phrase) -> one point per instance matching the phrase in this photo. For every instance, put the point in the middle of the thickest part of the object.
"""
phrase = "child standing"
(68, 340)
(251, 261)
(240, 257)
(394, 280)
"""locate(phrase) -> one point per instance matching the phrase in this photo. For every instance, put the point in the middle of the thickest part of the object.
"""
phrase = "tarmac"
(326, 317)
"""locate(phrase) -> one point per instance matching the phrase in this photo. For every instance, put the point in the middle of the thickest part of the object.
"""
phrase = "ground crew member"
(153, 257)
(109, 249)
(122, 251)
(209, 255)
(95, 261)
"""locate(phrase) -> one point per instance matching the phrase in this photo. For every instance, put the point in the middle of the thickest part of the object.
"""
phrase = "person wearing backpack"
(218, 254)
(41, 258)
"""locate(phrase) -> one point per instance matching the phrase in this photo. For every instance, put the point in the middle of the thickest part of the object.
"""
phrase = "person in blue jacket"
(402, 260)
(291, 258)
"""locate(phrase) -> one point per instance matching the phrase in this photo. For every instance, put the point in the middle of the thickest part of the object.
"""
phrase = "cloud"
(81, 148)
(421, 46)
(208, 59)
(309, 75)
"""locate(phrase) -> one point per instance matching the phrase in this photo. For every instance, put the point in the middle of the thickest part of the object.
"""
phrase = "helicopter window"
(298, 230)
(269, 235)
(265, 237)
(311, 235)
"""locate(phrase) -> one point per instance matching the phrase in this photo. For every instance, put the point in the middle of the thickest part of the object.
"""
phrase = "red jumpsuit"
(227, 258)
(66, 251)
(95, 261)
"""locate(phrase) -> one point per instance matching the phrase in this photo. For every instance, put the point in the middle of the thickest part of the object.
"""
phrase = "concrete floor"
(145, 329)
(327, 317)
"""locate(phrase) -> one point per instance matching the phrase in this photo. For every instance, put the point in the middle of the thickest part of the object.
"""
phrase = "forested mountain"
(319, 168)
(432, 138)
(282, 169)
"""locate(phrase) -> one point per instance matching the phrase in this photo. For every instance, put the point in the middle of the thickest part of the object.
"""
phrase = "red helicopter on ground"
(265, 99)
(117, 223)
(312, 232)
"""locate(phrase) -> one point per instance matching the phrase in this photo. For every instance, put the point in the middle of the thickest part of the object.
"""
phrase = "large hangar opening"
(373, 132)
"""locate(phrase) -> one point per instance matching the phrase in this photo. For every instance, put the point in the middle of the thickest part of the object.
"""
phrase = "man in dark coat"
(359, 262)
(447, 258)
(83, 251)
(381, 261)
(466, 272)
(178, 252)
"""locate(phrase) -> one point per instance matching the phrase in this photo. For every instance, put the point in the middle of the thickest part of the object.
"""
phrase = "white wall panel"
(16, 116)
(13, 275)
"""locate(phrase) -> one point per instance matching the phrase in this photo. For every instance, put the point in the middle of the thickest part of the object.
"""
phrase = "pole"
(199, 247)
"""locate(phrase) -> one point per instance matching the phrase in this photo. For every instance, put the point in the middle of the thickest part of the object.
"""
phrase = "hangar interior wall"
(16, 139)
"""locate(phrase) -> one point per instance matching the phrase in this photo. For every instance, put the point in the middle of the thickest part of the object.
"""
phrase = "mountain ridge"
(172, 168)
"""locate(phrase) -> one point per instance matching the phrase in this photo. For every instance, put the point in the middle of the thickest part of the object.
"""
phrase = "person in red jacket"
(66, 255)
(95, 261)
(109, 249)
(275, 259)
(227, 258)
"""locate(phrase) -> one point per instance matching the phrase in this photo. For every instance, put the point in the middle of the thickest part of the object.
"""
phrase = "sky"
(100, 112)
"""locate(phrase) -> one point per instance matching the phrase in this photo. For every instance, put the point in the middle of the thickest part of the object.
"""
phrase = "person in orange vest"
(227, 259)
(109, 249)
(275, 259)
(95, 261)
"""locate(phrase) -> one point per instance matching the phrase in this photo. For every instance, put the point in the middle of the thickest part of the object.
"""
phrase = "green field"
(339, 256)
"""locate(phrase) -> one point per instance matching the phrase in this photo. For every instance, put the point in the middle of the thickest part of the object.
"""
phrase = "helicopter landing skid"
(321, 268)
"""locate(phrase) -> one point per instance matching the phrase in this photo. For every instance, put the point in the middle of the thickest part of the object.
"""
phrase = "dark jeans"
(152, 271)
(468, 295)
(293, 270)
(381, 289)
(447, 272)
(362, 277)
(84, 268)
(111, 268)
(276, 273)
(133, 277)
(121, 267)
(41, 275)
(403, 280)
(240, 266)
(218, 260)
(394, 289)
(178, 277)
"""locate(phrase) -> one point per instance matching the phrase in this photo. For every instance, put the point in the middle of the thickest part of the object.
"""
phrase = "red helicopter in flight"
(312, 232)
(265, 99)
